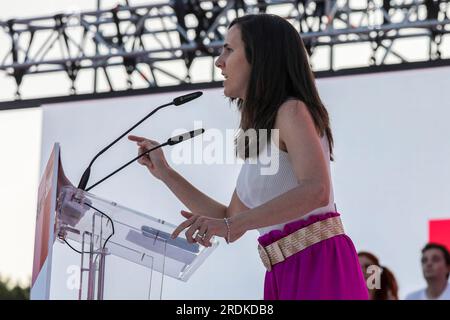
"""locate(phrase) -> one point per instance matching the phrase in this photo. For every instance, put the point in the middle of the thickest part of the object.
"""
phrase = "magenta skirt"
(328, 270)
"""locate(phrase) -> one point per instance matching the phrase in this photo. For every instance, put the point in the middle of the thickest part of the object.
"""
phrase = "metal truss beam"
(138, 41)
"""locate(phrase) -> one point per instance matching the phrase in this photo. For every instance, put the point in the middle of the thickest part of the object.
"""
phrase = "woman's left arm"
(298, 133)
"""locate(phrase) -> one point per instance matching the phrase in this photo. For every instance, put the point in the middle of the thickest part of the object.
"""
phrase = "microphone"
(170, 142)
(186, 98)
(185, 136)
(177, 101)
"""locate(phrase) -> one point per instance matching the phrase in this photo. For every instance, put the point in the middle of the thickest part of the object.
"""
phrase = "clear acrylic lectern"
(99, 229)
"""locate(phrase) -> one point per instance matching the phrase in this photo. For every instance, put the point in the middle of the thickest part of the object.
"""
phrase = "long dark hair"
(388, 286)
(279, 69)
(388, 282)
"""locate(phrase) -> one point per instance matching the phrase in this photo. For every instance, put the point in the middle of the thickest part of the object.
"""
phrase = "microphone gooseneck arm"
(177, 101)
(129, 130)
(85, 177)
(126, 164)
(171, 141)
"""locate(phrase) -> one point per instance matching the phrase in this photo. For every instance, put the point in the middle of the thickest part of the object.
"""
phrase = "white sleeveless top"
(255, 187)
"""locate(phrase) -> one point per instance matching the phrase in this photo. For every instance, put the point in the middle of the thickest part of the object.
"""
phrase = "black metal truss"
(140, 40)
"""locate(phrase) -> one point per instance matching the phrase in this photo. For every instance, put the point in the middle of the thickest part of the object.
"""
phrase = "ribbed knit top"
(256, 186)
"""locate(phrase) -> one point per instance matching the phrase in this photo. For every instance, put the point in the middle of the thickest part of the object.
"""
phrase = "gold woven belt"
(299, 240)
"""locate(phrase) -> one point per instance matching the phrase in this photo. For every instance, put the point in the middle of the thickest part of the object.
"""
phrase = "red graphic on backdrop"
(439, 232)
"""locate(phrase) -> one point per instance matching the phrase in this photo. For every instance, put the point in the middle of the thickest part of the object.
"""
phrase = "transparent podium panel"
(112, 239)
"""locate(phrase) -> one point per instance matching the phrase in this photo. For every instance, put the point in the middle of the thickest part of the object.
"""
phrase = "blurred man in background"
(436, 269)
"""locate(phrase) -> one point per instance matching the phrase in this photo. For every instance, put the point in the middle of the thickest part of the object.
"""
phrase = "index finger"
(136, 138)
(183, 226)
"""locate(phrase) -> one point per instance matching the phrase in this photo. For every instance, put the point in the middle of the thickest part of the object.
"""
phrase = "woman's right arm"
(195, 200)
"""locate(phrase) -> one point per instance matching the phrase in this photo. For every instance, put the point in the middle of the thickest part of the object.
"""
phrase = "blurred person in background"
(385, 286)
(436, 268)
